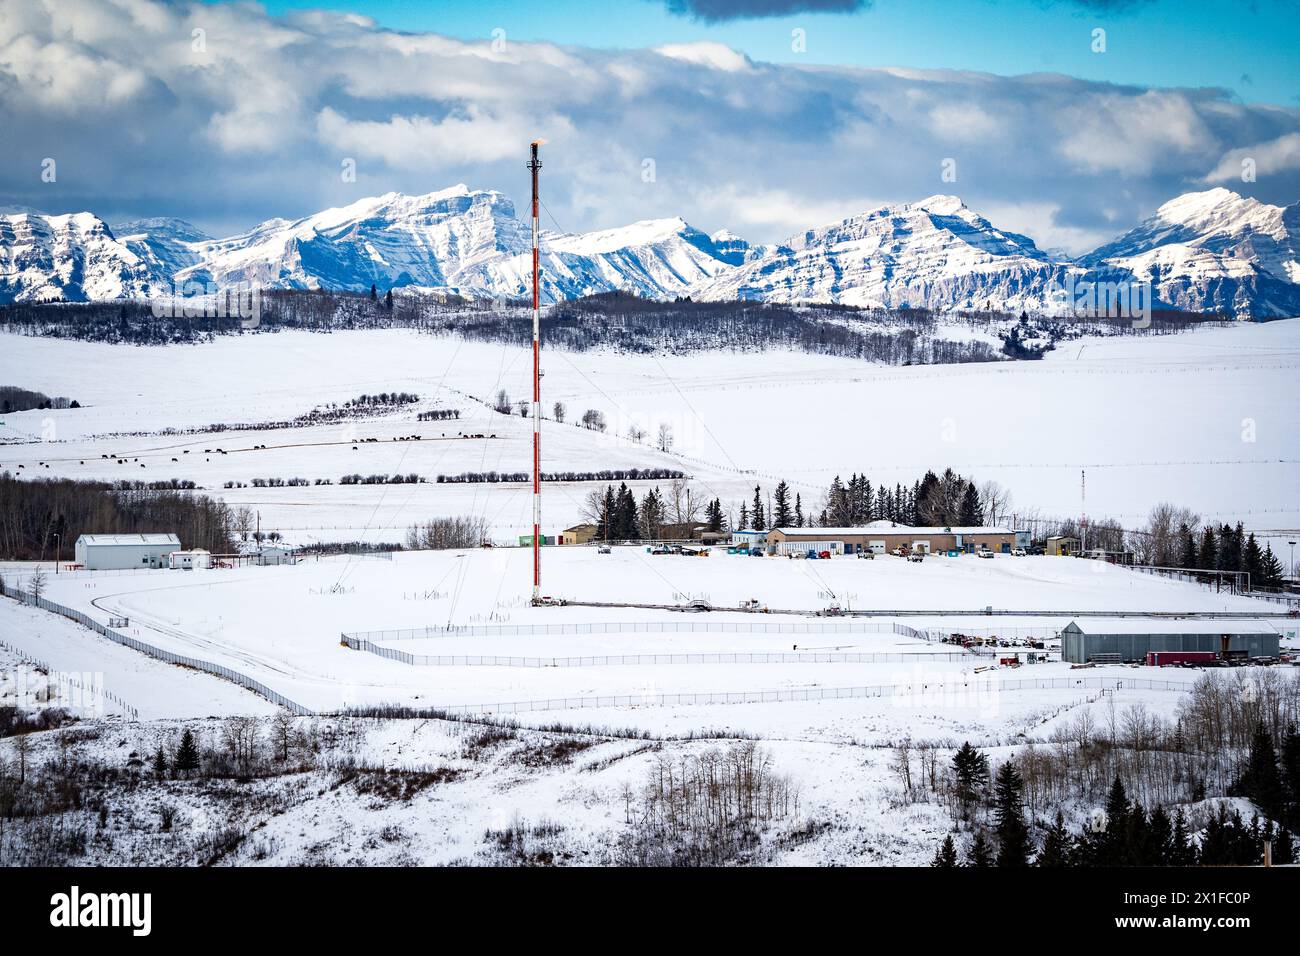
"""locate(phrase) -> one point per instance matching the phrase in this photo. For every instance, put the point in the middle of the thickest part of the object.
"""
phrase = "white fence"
(639, 627)
(148, 649)
(740, 657)
(979, 693)
(64, 679)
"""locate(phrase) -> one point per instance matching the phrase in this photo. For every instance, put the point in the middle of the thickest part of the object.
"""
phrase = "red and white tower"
(534, 164)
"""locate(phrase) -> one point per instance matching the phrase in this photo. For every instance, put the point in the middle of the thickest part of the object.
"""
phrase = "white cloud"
(718, 56)
(254, 126)
(1276, 156)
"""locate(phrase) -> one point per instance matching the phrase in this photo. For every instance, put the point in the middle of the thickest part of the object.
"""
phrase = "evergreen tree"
(1252, 560)
(1189, 555)
(160, 763)
(388, 300)
(1261, 781)
(759, 519)
(1110, 848)
(1056, 846)
(713, 515)
(1270, 569)
(1014, 844)
(1208, 553)
(605, 528)
(1283, 848)
(1291, 778)
(1216, 840)
(1160, 838)
(971, 768)
(187, 754)
(625, 525)
(374, 293)
(1135, 848)
(928, 500)
(979, 855)
(972, 515)
(744, 516)
(783, 516)
(946, 856)
(798, 510)
(1182, 852)
(837, 505)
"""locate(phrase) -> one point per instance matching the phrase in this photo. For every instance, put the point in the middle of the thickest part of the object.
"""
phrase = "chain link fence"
(257, 687)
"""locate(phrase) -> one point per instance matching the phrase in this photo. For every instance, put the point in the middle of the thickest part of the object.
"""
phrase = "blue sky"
(1250, 48)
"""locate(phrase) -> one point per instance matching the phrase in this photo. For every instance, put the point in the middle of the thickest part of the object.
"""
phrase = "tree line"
(608, 474)
(41, 516)
(611, 320)
(943, 500)
(14, 399)
(674, 512)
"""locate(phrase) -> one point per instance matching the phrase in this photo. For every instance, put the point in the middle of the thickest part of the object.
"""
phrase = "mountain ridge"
(1212, 250)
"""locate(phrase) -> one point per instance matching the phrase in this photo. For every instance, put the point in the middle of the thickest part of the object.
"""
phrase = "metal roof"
(1172, 626)
(112, 540)
(877, 528)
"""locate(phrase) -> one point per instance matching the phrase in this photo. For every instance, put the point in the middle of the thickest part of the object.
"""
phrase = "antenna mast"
(1083, 507)
(535, 164)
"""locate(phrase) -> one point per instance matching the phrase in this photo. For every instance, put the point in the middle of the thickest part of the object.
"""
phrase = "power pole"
(534, 165)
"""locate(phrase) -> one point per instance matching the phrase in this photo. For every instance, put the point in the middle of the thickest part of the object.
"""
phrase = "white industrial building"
(276, 554)
(115, 552)
(190, 560)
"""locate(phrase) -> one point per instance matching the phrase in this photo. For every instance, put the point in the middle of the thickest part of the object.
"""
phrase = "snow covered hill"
(1204, 251)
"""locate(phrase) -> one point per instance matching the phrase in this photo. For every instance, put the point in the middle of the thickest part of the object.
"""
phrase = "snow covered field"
(1204, 419)
(282, 625)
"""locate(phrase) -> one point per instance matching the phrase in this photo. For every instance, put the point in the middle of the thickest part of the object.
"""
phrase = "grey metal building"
(1130, 639)
(115, 552)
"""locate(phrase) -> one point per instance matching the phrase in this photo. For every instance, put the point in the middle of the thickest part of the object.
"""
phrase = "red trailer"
(1163, 658)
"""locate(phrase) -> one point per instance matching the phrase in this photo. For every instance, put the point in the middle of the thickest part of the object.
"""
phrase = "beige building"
(578, 534)
(1064, 545)
(885, 536)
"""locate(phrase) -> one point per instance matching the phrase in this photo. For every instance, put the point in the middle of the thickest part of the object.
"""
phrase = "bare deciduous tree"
(665, 440)
(36, 583)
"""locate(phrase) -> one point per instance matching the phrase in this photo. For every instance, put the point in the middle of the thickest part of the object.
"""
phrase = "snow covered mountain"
(166, 245)
(1214, 251)
(390, 241)
(462, 241)
(1211, 250)
(656, 258)
(936, 253)
(74, 257)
